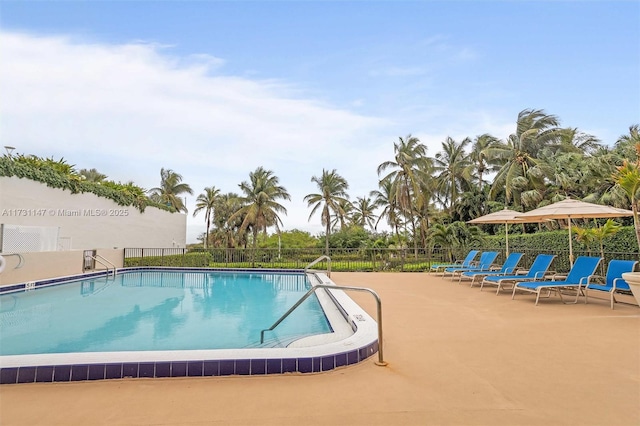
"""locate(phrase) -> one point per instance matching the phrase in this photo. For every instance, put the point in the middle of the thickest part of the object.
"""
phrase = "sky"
(215, 89)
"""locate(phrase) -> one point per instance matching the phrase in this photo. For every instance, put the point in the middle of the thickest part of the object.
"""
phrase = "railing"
(342, 260)
(20, 259)
(318, 260)
(312, 290)
(104, 262)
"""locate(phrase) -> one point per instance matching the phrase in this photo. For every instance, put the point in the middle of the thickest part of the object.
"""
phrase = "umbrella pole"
(570, 244)
(506, 236)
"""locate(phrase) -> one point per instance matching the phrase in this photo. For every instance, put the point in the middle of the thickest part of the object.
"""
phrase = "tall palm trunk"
(327, 219)
(206, 237)
(255, 247)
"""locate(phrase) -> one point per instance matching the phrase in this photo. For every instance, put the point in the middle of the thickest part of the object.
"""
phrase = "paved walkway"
(457, 356)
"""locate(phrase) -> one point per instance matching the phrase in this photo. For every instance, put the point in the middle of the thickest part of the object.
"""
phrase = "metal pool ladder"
(318, 260)
(380, 361)
(105, 262)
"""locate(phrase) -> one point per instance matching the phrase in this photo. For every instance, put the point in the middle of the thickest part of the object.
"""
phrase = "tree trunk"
(206, 237)
(255, 247)
(326, 240)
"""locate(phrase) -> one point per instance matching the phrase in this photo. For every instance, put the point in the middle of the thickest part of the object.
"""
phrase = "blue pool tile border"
(49, 282)
(10, 288)
(204, 368)
(177, 368)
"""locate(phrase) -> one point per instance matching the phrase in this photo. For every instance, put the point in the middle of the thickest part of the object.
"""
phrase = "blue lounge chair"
(466, 263)
(484, 264)
(581, 272)
(613, 280)
(537, 271)
(508, 268)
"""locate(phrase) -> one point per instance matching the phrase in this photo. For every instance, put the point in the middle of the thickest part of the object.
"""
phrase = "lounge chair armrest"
(585, 280)
(522, 272)
(615, 282)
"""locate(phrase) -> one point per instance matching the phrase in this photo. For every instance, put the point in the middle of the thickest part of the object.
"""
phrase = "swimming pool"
(172, 308)
(159, 311)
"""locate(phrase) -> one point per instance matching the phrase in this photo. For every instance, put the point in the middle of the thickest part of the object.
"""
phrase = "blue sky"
(214, 89)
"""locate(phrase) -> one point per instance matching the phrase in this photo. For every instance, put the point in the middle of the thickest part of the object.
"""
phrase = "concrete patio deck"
(457, 356)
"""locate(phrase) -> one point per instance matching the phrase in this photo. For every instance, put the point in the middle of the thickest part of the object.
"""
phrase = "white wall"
(88, 221)
(52, 264)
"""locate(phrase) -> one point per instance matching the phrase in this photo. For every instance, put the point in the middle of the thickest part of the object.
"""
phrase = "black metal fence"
(344, 260)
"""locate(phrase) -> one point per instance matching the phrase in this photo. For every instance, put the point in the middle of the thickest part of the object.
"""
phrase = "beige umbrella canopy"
(505, 216)
(573, 209)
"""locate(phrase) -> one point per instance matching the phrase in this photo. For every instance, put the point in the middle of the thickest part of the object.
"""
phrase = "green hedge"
(48, 175)
(188, 260)
(624, 241)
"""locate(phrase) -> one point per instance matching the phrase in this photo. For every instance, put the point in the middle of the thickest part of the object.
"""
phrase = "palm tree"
(333, 192)
(170, 189)
(225, 206)
(445, 237)
(92, 175)
(206, 202)
(626, 144)
(385, 198)
(470, 204)
(601, 188)
(364, 212)
(452, 163)
(600, 233)
(343, 215)
(480, 157)
(409, 166)
(521, 168)
(573, 140)
(424, 208)
(260, 205)
(140, 199)
(588, 236)
(627, 177)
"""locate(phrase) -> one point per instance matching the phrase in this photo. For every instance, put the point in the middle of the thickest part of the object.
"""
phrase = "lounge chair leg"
(613, 299)
(513, 294)
(537, 297)
(578, 294)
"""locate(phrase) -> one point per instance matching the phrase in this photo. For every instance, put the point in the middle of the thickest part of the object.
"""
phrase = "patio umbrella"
(573, 209)
(505, 216)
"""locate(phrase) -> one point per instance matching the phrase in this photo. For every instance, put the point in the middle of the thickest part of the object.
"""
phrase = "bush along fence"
(342, 260)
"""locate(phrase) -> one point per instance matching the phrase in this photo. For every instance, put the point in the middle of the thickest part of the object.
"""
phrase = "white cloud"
(129, 110)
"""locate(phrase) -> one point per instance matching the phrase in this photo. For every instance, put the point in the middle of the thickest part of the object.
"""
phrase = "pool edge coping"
(200, 363)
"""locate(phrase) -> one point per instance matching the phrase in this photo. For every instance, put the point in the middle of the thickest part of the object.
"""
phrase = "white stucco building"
(80, 221)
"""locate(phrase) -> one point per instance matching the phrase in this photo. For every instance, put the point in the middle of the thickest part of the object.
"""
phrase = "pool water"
(158, 311)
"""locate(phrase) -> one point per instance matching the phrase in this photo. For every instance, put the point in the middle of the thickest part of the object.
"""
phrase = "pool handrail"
(312, 290)
(105, 262)
(321, 258)
(20, 259)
